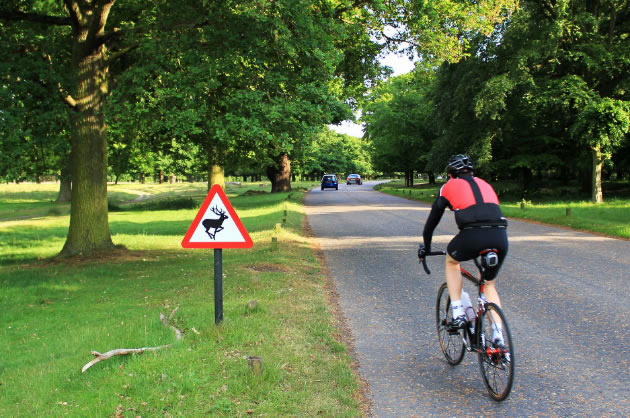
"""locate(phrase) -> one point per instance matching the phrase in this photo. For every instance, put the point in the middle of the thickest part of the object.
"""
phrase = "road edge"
(344, 333)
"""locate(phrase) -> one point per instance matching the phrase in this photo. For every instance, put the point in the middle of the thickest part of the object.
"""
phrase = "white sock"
(458, 308)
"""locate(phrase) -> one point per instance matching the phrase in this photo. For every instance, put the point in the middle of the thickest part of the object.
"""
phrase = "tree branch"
(99, 18)
(113, 34)
(65, 95)
(34, 17)
(74, 11)
(124, 351)
(399, 41)
(119, 352)
(114, 56)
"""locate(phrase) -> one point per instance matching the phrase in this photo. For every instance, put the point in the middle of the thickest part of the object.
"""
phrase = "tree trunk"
(216, 174)
(598, 162)
(65, 185)
(280, 175)
(89, 227)
(65, 191)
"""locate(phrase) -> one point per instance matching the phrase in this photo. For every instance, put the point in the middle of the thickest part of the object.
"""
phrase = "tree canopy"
(237, 80)
(544, 94)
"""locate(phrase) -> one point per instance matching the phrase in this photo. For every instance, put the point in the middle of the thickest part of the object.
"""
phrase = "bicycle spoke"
(496, 360)
(452, 345)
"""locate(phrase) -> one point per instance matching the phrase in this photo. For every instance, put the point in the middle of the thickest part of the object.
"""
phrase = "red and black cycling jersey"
(474, 201)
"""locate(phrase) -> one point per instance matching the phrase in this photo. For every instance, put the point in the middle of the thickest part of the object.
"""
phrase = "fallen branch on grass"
(119, 352)
(178, 333)
(124, 351)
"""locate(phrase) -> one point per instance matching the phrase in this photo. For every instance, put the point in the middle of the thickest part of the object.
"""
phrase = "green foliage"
(398, 122)
(331, 152)
(603, 124)
(532, 99)
(34, 138)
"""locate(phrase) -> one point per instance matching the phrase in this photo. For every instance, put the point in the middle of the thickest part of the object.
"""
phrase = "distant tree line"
(544, 97)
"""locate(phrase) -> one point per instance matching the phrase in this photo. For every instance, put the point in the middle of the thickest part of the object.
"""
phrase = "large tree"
(88, 68)
(398, 122)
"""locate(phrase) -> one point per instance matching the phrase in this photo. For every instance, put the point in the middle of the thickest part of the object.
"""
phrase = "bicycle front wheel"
(451, 342)
(496, 354)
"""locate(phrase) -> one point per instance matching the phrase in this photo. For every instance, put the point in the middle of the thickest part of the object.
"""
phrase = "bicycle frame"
(471, 340)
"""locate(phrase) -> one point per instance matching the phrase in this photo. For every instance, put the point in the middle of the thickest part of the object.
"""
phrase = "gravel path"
(564, 293)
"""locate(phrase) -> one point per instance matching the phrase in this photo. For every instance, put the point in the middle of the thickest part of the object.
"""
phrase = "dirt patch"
(344, 333)
(268, 268)
(253, 192)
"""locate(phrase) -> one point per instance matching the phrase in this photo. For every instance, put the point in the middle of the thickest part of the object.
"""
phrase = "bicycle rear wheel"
(496, 360)
(452, 343)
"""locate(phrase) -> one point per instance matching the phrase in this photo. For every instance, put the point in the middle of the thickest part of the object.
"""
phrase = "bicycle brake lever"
(424, 264)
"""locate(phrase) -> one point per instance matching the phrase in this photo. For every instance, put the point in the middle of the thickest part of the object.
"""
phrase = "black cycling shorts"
(467, 244)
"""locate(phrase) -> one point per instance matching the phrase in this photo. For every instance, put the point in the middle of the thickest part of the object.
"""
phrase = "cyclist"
(481, 226)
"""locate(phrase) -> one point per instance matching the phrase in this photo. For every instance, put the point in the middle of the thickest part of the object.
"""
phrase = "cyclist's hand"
(422, 252)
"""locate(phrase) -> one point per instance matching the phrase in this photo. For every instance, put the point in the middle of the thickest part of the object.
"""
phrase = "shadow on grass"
(106, 264)
(19, 239)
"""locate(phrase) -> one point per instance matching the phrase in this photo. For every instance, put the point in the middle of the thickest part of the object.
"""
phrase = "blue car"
(329, 181)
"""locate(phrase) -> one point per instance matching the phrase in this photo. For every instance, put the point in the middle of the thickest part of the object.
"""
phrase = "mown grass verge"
(610, 218)
(55, 313)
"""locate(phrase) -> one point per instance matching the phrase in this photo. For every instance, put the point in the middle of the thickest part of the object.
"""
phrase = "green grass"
(611, 217)
(54, 314)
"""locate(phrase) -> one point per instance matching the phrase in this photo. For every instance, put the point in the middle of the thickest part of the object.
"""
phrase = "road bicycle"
(496, 360)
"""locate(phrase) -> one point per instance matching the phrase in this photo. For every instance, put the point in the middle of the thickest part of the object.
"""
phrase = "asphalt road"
(565, 294)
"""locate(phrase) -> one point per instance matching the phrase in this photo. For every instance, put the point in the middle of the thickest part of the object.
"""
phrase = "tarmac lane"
(565, 294)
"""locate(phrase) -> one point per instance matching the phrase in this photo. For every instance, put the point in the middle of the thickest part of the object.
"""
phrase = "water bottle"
(468, 309)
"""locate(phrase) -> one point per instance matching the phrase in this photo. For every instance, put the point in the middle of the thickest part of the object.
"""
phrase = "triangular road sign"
(217, 225)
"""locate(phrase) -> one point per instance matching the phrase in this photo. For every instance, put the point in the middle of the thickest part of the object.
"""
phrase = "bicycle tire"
(452, 345)
(495, 362)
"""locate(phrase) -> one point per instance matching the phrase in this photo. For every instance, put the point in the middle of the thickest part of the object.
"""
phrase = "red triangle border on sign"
(216, 189)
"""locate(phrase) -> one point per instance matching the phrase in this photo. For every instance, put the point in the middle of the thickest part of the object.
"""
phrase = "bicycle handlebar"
(431, 253)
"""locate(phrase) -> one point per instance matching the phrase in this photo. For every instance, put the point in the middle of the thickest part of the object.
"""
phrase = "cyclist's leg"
(495, 238)
(491, 293)
(492, 296)
(453, 274)
(453, 278)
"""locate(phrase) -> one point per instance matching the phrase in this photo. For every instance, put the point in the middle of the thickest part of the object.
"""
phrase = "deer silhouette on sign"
(214, 223)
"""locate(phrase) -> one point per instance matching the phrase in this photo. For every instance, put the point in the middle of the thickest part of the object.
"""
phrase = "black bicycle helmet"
(459, 164)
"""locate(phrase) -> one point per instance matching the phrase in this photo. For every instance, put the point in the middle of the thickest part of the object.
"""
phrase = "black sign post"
(218, 285)
(208, 231)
